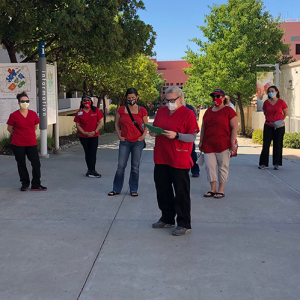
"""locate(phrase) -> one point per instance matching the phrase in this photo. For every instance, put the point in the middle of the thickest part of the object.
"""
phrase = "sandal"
(221, 195)
(113, 193)
(134, 194)
(209, 194)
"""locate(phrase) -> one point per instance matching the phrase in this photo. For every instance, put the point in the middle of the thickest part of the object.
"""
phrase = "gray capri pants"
(212, 160)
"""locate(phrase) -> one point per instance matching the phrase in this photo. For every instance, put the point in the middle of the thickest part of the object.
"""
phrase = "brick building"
(292, 36)
(173, 73)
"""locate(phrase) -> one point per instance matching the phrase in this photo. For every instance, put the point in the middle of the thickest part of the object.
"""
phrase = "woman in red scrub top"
(217, 141)
(88, 122)
(22, 125)
(132, 142)
(172, 158)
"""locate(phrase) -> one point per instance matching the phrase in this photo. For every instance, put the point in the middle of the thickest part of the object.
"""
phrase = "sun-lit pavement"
(74, 242)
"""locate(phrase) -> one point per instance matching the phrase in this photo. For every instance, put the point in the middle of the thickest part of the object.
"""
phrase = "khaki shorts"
(214, 160)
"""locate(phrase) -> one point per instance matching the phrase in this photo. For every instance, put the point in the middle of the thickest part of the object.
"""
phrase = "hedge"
(290, 140)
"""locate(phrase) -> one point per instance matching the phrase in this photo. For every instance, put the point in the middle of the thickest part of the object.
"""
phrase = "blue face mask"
(272, 95)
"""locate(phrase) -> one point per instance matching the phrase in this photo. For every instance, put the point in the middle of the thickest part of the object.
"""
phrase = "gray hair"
(176, 90)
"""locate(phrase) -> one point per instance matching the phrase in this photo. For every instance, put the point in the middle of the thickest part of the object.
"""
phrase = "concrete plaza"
(75, 242)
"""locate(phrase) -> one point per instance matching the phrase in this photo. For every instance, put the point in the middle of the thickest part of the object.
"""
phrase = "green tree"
(238, 35)
(113, 79)
(100, 30)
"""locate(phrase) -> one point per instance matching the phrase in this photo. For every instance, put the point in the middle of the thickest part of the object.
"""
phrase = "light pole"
(277, 70)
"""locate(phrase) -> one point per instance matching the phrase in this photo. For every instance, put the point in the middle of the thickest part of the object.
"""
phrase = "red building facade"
(172, 73)
(292, 36)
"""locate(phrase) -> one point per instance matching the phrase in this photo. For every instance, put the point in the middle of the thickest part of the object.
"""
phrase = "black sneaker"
(24, 188)
(93, 174)
(88, 173)
(39, 188)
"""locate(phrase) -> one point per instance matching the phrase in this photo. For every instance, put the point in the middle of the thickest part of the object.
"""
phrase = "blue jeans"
(125, 148)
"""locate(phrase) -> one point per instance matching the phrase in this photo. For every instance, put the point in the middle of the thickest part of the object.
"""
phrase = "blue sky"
(175, 22)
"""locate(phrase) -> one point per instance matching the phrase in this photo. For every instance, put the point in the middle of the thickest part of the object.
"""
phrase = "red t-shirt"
(172, 152)
(128, 129)
(88, 121)
(217, 130)
(24, 128)
(274, 112)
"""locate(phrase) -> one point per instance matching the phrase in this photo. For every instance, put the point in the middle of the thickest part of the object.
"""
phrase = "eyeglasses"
(24, 101)
(217, 96)
(86, 100)
(171, 100)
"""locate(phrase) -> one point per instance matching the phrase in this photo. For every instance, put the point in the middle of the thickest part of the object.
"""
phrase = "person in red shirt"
(22, 125)
(275, 110)
(172, 158)
(217, 141)
(131, 137)
(88, 122)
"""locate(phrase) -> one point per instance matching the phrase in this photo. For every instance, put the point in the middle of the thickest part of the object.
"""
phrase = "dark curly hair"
(23, 94)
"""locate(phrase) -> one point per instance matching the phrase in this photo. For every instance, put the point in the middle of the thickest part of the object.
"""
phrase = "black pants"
(270, 133)
(90, 146)
(165, 178)
(32, 154)
(195, 168)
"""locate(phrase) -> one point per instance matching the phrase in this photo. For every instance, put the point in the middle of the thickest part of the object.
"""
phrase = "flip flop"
(222, 195)
(209, 194)
(134, 194)
(113, 193)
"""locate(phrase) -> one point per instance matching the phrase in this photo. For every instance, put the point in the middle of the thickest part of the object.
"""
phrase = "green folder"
(154, 129)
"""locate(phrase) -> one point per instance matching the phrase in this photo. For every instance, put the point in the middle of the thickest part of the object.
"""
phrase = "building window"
(295, 38)
(181, 83)
(177, 83)
(167, 84)
(171, 84)
(297, 48)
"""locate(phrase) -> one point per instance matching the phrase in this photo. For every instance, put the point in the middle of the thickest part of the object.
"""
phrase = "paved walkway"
(74, 242)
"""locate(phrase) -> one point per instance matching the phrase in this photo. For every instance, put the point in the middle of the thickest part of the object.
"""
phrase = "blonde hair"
(176, 90)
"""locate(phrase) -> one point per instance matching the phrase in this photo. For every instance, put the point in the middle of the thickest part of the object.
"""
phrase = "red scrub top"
(172, 152)
(128, 129)
(88, 121)
(217, 130)
(24, 128)
(274, 112)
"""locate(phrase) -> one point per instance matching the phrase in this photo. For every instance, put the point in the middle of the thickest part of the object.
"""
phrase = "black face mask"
(131, 102)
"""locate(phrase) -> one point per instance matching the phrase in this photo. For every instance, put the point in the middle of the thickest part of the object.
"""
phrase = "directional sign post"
(42, 74)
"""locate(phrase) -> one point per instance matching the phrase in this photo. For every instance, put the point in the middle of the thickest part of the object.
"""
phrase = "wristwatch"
(95, 131)
(177, 136)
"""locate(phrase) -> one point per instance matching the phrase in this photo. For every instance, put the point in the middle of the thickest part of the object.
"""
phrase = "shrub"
(291, 140)
(248, 132)
(257, 136)
(112, 108)
(74, 131)
(50, 142)
(5, 141)
(110, 127)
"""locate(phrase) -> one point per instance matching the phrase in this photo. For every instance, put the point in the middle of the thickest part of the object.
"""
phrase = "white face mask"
(172, 106)
(24, 105)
